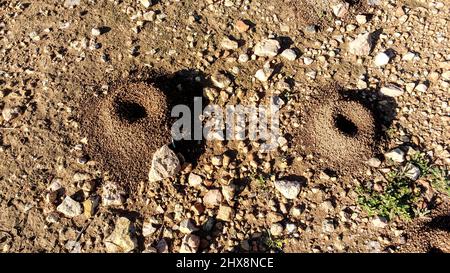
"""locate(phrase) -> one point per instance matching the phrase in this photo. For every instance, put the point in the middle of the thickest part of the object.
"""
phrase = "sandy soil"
(55, 56)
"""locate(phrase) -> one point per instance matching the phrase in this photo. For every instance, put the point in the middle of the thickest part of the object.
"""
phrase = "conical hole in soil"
(345, 126)
(340, 132)
(129, 124)
(129, 111)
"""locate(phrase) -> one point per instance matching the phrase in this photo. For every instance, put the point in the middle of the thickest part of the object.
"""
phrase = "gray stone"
(149, 16)
(396, 155)
(267, 48)
(146, 3)
(296, 212)
(312, 74)
(379, 222)
(53, 217)
(409, 56)
(55, 185)
(361, 19)
(73, 247)
(79, 177)
(10, 113)
(265, 73)
(187, 226)
(225, 213)
(71, 3)
(291, 228)
(212, 198)
(328, 225)
(122, 239)
(228, 192)
(195, 180)
(412, 171)
(374, 247)
(162, 246)
(229, 44)
(327, 206)
(391, 91)
(112, 195)
(148, 228)
(276, 229)
(340, 9)
(96, 31)
(289, 54)
(243, 58)
(217, 160)
(70, 208)
(165, 163)
(307, 61)
(361, 84)
(362, 45)
(220, 80)
(374, 162)
(421, 88)
(373, 2)
(289, 189)
(190, 244)
(381, 59)
(311, 29)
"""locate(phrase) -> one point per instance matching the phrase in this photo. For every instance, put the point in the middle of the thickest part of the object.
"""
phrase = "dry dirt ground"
(62, 134)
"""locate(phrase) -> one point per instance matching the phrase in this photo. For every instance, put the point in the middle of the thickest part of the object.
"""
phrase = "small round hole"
(345, 125)
(130, 111)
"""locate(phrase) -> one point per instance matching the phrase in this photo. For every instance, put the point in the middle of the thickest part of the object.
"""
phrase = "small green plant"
(421, 212)
(260, 180)
(440, 180)
(287, 95)
(438, 177)
(421, 161)
(398, 199)
(390, 132)
(273, 243)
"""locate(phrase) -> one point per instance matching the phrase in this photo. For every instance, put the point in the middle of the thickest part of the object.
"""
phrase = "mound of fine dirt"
(125, 127)
(430, 235)
(306, 12)
(341, 132)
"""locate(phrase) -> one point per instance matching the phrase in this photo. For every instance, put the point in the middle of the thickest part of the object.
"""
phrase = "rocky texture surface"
(53, 55)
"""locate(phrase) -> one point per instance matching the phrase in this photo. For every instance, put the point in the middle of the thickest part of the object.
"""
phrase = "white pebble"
(289, 54)
(307, 61)
(243, 58)
(391, 91)
(96, 31)
(396, 155)
(229, 44)
(267, 48)
(289, 189)
(146, 3)
(361, 19)
(381, 59)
